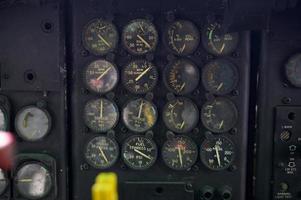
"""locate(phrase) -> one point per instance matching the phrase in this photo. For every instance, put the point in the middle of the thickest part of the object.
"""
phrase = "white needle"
(142, 154)
(217, 155)
(144, 41)
(142, 74)
(140, 110)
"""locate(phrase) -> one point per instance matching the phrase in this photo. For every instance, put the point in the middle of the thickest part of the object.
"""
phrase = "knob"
(226, 193)
(207, 193)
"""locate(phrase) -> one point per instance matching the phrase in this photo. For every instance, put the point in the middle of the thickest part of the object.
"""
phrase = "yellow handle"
(105, 187)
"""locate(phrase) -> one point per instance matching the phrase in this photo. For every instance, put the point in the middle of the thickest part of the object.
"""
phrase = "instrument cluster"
(141, 78)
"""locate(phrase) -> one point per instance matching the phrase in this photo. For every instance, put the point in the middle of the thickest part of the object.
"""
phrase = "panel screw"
(286, 100)
(84, 53)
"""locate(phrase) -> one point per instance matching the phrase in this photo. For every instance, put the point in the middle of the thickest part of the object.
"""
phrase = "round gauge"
(181, 77)
(101, 115)
(218, 43)
(33, 181)
(100, 37)
(220, 77)
(32, 123)
(217, 153)
(3, 119)
(180, 153)
(139, 152)
(219, 115)
(140, 76)
(139, 115)
(180, 115)
(140, 37)
(182, 37)
(293, 70)
(3, 182)
(102, 152)
(101, 76)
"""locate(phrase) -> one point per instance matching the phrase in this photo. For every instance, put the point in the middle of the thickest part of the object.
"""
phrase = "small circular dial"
(3, 182)
(101, 115)
(139, 152)
(219, 115)
(140, 37)
(180, 115)
(218, 43)
(33, 181)
(101, 76)
(181, 77)
(180, 153)
(140, 76)
(32, 123)
(220, 77)
(3, 119)
(139, 115)
(102, 152)
(217, 153)
(293, 70)
(182, 37)
(100, 37)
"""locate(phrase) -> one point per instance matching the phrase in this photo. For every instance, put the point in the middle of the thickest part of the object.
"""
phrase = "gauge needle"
(104, 73)
(221, 124)
(222, 49)
(182, 87)
(182, 125)
(220, 86)
(180, 156)
(145, 42)
(140, 110)
(141, 28)
(217, 155)
(142, 154)
(142, 74)
(25, 180)
(104, 41)
(183, 48)
(101, 109)
(103, 155)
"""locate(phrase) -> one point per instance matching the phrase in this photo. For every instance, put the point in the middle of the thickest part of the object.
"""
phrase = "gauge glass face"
(33, 181)
(182, 37)
(293, 70)
(139, 115)
(32, 123)
(101, 115)
(219, 115)
(180, 153)
(101, 76)
(140, 37)
(3, 182)
(217, 43)
(180, 115)
(217, 153)
(102, 152)
(181, 77)
(100, 37)
(3, 120)
(140, 77)
(220, 77)
(139, 152)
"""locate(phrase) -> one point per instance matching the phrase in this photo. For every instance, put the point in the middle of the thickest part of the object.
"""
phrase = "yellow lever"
(105, 187)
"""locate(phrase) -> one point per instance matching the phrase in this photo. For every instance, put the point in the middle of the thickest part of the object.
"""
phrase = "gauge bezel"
(123, 41)
(6, 118)
(152, 163)
(52, 180)
(214, 139)
(85, 79)
(233, 67)
(97, 99)
(204, 38)
(115, 160)
(195, 146)
(170, 66)
(166, 37)
(85, 28)
(6, 181)
(225, 99)
(49, 123)
(144, 99)
(181, 98)
(128, 65)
